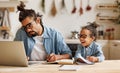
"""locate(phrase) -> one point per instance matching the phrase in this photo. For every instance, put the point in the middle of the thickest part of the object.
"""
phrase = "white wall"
(64, 21)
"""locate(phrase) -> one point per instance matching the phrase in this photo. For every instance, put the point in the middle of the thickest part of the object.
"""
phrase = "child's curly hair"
(92, 28)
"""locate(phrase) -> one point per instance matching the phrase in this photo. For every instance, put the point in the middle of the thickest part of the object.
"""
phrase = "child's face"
(85, 37)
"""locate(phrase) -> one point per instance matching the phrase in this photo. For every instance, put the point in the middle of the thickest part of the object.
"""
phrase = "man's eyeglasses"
(28, 26)
(83, 36)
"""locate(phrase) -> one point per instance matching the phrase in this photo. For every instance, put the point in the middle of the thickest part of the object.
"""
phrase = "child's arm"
(99, 54)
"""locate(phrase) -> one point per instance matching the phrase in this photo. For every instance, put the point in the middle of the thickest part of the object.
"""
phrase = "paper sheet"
(69, 68)
(86, 61)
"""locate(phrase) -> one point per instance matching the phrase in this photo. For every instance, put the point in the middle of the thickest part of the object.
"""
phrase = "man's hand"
(92, 58)
(52, 57)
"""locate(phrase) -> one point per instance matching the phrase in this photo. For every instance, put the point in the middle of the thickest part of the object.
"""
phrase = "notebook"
(85, 60)
(62, 61)
(12, 53)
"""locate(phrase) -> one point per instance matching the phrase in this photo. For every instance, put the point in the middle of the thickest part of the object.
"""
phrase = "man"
(41, 42)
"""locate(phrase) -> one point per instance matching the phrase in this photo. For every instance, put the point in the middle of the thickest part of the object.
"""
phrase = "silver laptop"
(12, 53)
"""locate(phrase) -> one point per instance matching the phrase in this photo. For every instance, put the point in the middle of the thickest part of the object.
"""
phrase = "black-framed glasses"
(28, 26)
(83, 36)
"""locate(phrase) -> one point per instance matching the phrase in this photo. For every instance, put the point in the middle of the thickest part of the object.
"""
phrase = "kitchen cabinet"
(114, 50)
(105, 50)
(105, 47)
(110, 48)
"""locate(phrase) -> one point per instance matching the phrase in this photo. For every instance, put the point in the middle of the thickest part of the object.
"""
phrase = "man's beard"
(32, 35)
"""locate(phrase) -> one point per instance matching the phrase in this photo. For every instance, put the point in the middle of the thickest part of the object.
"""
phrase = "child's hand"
(92, 58)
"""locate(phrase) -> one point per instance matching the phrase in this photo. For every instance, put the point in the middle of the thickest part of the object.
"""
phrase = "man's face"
(85, 37)
(29, 25)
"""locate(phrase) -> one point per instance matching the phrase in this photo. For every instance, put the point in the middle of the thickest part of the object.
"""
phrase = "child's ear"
(93, 38)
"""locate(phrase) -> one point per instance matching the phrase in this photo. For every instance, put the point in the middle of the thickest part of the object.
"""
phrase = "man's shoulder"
(20, 30)
(50, 31)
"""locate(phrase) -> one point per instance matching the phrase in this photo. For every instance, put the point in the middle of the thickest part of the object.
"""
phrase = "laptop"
(12, 53)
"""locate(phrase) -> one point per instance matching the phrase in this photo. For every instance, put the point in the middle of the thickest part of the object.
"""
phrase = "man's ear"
(38, 20)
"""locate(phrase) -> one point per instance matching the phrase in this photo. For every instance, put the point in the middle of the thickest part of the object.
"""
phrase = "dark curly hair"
(92, 28)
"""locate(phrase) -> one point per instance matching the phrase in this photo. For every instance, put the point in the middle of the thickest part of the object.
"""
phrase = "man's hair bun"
(21, 6)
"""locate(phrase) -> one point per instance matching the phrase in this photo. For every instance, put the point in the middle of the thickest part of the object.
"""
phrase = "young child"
(88, 48)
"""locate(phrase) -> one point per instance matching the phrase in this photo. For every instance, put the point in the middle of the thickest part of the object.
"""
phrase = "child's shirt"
(93, 50)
